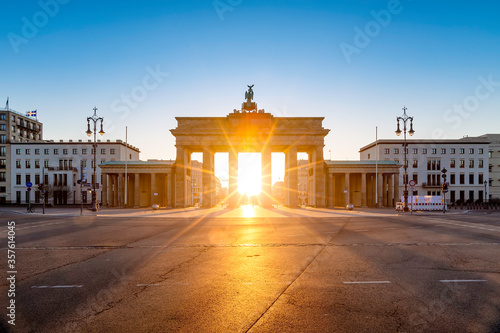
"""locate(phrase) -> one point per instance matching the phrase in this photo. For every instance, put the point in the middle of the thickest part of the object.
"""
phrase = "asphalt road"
(300, 272)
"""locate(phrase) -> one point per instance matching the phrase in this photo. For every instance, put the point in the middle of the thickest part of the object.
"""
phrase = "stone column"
(208, 190)
(292, 190)
(137, 191)
(233, 178)
(332, 189)
(104, 194)
(347, 186)
(319, 176)
(363, 190)
(180, 177)
(396, 188)
(384, 199)
(380, 183)
(154, 197)
(390, 198)
(266, 177)
(121, 188)
(169, 190)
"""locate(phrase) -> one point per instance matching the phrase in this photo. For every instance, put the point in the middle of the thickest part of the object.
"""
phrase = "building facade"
(494, 165)
(466, 161)
(14, 127)
(59, 166)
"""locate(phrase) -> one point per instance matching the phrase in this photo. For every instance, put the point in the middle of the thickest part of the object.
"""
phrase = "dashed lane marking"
(459, 281)
(367, 282)
(53, 287)
(160, 284)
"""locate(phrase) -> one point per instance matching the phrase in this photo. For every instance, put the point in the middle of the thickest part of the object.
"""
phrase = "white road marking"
(52, 287)
(452, 281)
(366, 282)
(249, 283)
(160, 284)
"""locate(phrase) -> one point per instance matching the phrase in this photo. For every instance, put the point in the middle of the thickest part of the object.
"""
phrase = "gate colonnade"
(249, 132)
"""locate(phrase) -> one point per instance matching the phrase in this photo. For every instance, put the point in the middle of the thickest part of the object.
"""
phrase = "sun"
(249, 173)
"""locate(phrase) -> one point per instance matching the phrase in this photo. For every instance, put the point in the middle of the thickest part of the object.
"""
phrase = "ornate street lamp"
(404, 119)
(89, 132)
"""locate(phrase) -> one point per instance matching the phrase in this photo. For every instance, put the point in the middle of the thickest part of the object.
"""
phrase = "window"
(368, 156)
(471, 163)
(3, 138)
(37, 151)
(452, 179)
(481, 179)
(480, 164)
(2, 176)
(84, 151)
(415, 150)
(424, 150)
(92, 164)
(37, 164)
(396, 150)
(452, 150)
(3, 151)
(18, 164)
(434, 151)
(452, 163)
(3, 189)
(28, 164)
(18, 151)
(396, 160)
(75, 151)
(28, 151)
(92, 151)
(65, 151)
(462, 151)
(443, 150)
(46, 163)
(103, 151)
(84, 163)
(3, 164)
(3, 127)
(18, 179)
(112, 151)
(37, 179)
(3, 116)
(462, 179)
(480, 151)
(462, 163)
(471, 150)
(471, 179)
(415, 163)
(46, 151)
(415, 178)
(56, 151)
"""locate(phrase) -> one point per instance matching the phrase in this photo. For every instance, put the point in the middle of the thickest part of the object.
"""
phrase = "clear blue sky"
(428, 55)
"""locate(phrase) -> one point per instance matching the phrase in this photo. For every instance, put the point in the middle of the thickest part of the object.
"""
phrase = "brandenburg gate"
(250, 130)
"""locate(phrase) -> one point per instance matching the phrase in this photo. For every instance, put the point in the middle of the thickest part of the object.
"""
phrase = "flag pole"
(126, 159)
(376, 166)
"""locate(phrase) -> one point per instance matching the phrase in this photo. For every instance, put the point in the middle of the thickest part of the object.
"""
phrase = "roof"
(471, 140)
(360, 163)
(141, 163)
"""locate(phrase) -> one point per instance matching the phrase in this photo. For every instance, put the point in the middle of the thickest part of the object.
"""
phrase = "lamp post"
(89, 132)
(404, 119)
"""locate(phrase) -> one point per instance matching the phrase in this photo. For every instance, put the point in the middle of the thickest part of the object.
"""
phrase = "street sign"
(412, 183)
(85, 185)
(28, 184)
(29, 189)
